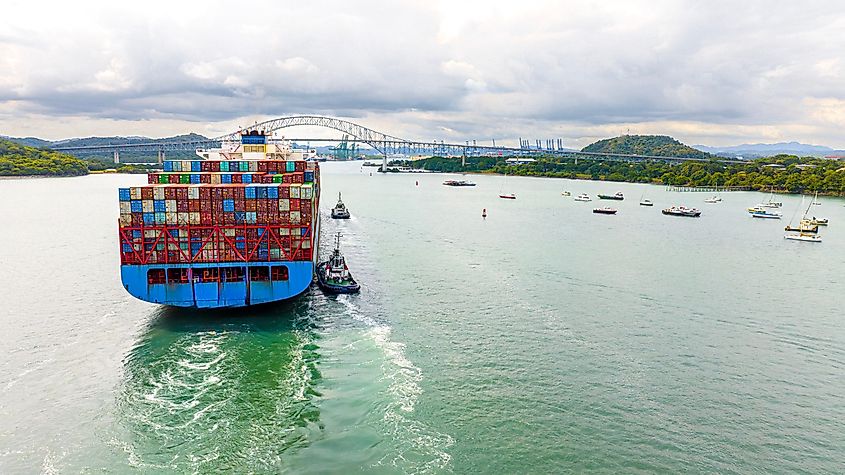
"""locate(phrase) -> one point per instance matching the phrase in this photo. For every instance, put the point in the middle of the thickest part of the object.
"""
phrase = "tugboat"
(339, 211)
(617, 196)
(682, 211)
(333, 275)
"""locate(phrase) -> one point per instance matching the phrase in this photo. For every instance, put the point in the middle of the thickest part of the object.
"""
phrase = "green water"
(544, 339)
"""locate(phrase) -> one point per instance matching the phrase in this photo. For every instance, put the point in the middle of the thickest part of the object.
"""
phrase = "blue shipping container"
(123, 194)
(137, 206)
(229, 205)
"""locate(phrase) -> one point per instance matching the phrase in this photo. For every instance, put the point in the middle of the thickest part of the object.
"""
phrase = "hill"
(125, 156)
(20, 160)
(769, 149)
(657, 145)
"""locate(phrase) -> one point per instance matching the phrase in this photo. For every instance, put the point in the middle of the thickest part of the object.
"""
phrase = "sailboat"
(806, 231)
(645, 202)
(502, 194)
(804, 225)
(817, 221)
(771, 203)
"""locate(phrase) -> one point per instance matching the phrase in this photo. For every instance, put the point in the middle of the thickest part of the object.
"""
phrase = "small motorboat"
(764, 213)
(803, 237)
(616, 196)
(566, 193)
(583, 197)
(682, 211)
(818, 221)
(333, 275)
(713, 199)
(458, 183)
(339, 211)
(605, 210)
(509, 196)
(646, 202)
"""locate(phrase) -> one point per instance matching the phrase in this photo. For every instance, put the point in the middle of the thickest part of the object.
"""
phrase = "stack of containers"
(207, 211)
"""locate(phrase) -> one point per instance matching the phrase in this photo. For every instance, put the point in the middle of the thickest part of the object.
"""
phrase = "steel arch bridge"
(384, 143)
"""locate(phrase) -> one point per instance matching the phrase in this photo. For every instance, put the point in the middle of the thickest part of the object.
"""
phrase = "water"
(542, 339)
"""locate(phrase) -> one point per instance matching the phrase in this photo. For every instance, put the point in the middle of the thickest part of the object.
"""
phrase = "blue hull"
(198, 294)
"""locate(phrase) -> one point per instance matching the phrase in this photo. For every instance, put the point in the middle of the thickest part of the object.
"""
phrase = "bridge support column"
(116, 156)
(160, 157)
(384, 163)
(464, 159)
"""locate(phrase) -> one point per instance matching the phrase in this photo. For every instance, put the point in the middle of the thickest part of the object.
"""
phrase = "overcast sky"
(705, 72)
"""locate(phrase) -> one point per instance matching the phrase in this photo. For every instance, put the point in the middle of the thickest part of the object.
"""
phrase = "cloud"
(421, 69)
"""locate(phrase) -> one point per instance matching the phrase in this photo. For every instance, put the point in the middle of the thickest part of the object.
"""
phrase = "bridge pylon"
(116, 156)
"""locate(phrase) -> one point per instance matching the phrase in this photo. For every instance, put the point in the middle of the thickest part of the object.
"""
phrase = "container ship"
(237, 226)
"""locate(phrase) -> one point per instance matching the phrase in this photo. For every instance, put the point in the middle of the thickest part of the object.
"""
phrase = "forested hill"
(657, 145)
(17, 160)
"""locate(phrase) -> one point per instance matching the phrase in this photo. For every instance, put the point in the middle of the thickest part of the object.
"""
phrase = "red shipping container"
(182, 193)
(237, 178)
(205, 193)
(152, 178)
(284, 192)
(170, 193)
(146, 193)
(173, 179)
(251, 205)
(182, 206)
(206, 217)
(205, 178)
(262, 166)
(300, 165)
(193, 205)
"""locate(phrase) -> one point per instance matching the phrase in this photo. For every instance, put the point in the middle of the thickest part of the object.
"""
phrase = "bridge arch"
(378, 140)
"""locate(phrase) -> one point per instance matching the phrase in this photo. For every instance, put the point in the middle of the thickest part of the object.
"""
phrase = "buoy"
(484, 213)
(418, 183)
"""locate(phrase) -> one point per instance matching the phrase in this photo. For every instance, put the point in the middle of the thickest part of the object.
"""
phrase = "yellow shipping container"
(135, 193)
(147, 206)
(194, 218)
(125, 207)
(170, 218)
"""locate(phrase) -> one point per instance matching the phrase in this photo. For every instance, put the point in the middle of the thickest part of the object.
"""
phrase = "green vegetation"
(789, 174)
(659, 145)
(19, 160)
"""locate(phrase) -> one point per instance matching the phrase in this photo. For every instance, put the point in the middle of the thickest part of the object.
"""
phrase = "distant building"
(804, 166)
(519, 161)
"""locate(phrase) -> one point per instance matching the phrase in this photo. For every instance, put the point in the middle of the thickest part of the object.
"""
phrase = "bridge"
(385, 144)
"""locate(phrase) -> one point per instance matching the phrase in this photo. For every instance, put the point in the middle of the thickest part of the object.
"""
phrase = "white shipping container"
(158, 193)
(125, 207)
(307, 192)
(294, 217)
(147, 206)
(284, 231)
(182, 218)
(194, 218)
(193, 193)
(170, 218)
(294, 191)
(170, 206)
(135, 193)
(284, 204)
(150, 233)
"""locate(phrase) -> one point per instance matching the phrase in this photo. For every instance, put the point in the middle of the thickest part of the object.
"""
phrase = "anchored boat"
(682, 211)
(583, 197)
(616, 196)
(458, 183)
(333, 275)
(605, 210)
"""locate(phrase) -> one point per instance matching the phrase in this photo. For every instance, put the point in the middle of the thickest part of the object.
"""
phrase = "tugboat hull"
(328, 287)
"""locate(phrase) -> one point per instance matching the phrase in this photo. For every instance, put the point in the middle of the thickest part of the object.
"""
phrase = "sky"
(713, 73)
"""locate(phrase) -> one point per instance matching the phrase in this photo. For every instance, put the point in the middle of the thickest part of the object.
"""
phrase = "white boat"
(713, 199)
(764, 213)
(646, 202)
(566, 193)
(803, 237)
(771, 203)
(583, 197)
